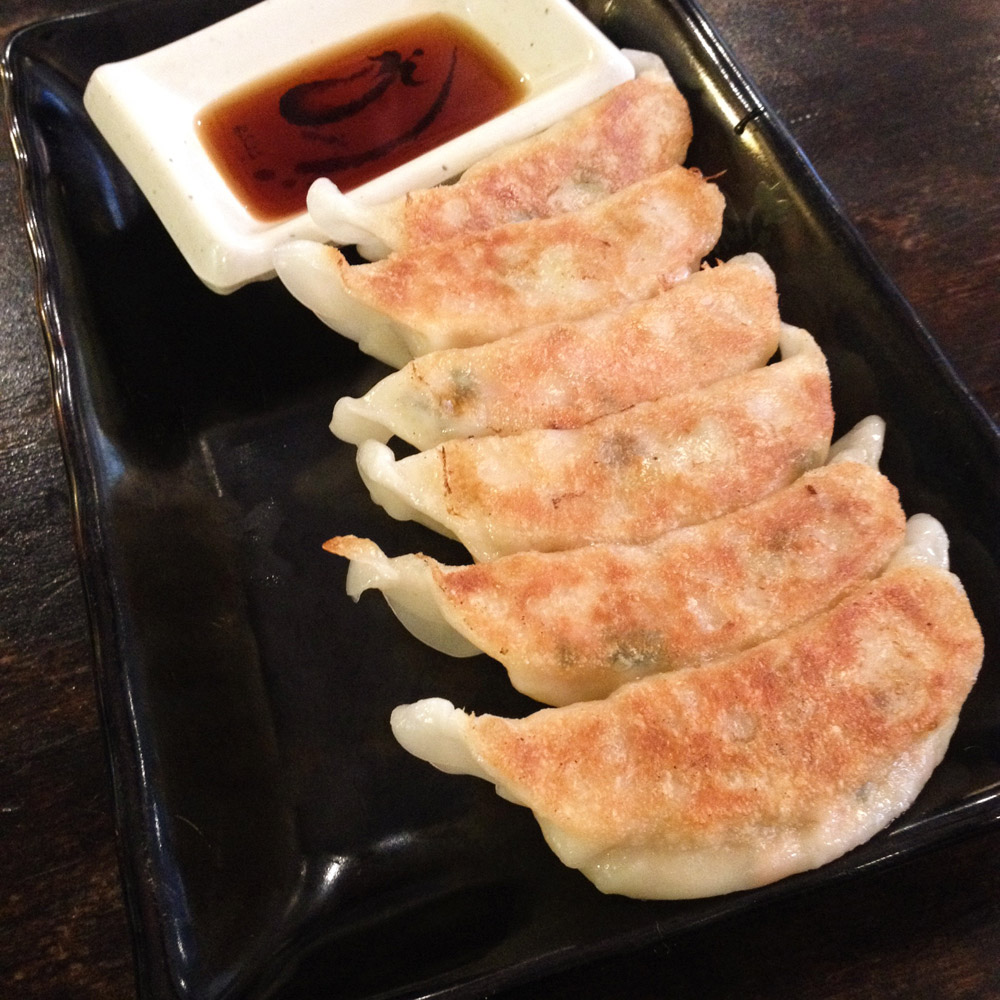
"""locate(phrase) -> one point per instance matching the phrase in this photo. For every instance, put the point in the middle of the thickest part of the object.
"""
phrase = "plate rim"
(122, 743)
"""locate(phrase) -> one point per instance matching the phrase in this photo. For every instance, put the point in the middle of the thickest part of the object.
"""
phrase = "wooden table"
(898, 106)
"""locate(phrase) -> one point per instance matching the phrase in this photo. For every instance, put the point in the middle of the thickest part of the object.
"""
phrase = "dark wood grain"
(63, 931)
(898, 106)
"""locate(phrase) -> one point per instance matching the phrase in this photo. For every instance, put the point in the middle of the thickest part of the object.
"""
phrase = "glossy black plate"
(276, 841)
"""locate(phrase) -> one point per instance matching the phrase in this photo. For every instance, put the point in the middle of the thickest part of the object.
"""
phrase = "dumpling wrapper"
(637, 129)
(627, 477)
(475, 288)
(721, 321)
(746, 770)
(573, 626)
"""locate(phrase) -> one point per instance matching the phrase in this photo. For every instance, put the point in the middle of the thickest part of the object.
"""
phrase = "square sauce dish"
(224, 130)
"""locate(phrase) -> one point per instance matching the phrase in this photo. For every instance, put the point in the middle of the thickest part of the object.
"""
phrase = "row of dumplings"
(755, 660)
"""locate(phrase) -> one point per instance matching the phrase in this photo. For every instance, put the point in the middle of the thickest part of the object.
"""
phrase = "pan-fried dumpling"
(575, 625)
(740, 772)
(720, 321)
(474, 288)
(641, 127)
(627, 477)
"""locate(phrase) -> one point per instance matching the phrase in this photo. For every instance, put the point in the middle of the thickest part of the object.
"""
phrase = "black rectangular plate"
(277, 842)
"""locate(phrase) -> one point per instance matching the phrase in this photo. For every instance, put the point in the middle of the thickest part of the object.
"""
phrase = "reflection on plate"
(273, 829)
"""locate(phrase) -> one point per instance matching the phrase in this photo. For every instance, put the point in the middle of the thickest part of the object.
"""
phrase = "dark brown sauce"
(354, 112)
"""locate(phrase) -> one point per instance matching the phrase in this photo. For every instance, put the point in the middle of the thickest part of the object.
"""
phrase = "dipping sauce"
(355, 111)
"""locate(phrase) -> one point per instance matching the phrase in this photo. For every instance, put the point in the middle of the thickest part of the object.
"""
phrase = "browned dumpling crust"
(637, 129)
(628, 477)
(641, 127)
(572, 626)
(575, 625)
(473, 289)
(739, 772)
(481, 286)
(721, 321)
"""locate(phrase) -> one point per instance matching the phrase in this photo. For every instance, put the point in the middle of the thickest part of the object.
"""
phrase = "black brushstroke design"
(338, 163)
(308, 103)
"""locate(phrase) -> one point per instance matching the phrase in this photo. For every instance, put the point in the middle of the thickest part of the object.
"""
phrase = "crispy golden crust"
(720, 321)
(777, 737)
(630, 477)
(639, 128)
(472, 289)
(575, 625)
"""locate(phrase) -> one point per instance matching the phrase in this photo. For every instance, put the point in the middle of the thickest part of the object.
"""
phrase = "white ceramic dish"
(146, 109)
